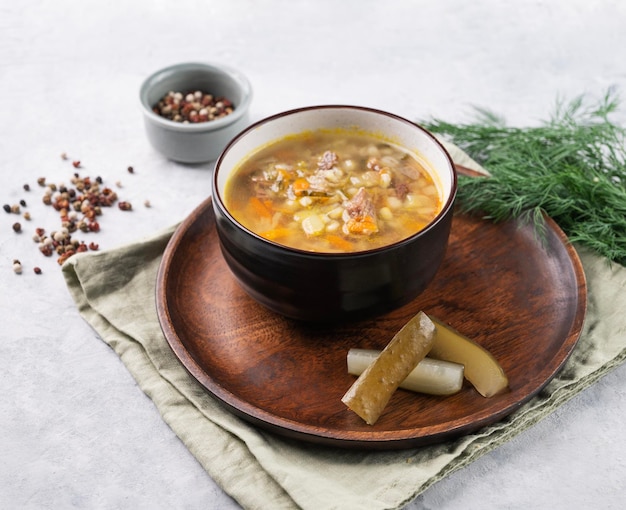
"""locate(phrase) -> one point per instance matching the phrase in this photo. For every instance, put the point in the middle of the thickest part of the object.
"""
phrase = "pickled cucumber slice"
(430, 376)
(371, 392)
(481, 368)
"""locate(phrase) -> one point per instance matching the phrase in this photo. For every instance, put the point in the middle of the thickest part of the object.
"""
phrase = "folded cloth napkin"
(115, 293)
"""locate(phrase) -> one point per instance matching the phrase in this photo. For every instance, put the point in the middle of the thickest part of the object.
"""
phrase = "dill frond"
(572, 167)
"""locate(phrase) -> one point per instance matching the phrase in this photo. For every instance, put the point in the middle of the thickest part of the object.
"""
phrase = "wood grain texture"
(522, 299)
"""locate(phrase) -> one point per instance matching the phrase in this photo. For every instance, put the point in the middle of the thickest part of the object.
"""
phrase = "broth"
(333, 191)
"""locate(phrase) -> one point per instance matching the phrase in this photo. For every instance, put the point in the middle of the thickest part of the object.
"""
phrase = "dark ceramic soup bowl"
(324, 287)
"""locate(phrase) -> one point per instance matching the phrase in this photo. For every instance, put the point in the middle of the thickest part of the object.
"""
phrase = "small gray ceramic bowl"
(195, 142)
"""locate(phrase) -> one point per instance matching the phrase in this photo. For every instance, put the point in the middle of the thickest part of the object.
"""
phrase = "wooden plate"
(522, 299)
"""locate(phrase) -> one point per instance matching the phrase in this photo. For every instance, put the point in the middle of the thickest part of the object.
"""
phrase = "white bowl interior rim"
(390, 127)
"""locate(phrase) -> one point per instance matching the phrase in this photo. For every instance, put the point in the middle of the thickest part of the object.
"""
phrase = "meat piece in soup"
(359, 215)
(333, 191)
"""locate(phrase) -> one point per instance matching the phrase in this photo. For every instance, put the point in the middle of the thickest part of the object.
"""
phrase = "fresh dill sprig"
(572, 166)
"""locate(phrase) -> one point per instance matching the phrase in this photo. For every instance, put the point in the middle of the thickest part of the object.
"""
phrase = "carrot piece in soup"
(259, 208)
(300, 186)
(365, 225)
(276, 233)
(340, 243)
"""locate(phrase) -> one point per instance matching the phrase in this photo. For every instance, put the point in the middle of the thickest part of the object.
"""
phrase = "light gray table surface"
(75, 429)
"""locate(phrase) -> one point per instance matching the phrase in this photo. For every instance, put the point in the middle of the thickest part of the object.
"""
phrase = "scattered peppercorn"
(63, 155)
(60, 235)
(65, 256)
(147, 203)
(17, 267)
(78, 205)
(193, 107)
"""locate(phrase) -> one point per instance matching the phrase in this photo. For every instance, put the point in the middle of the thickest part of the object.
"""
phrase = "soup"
(333, 191)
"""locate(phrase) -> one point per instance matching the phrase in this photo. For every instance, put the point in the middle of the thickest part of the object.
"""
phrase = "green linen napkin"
(115, 293)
